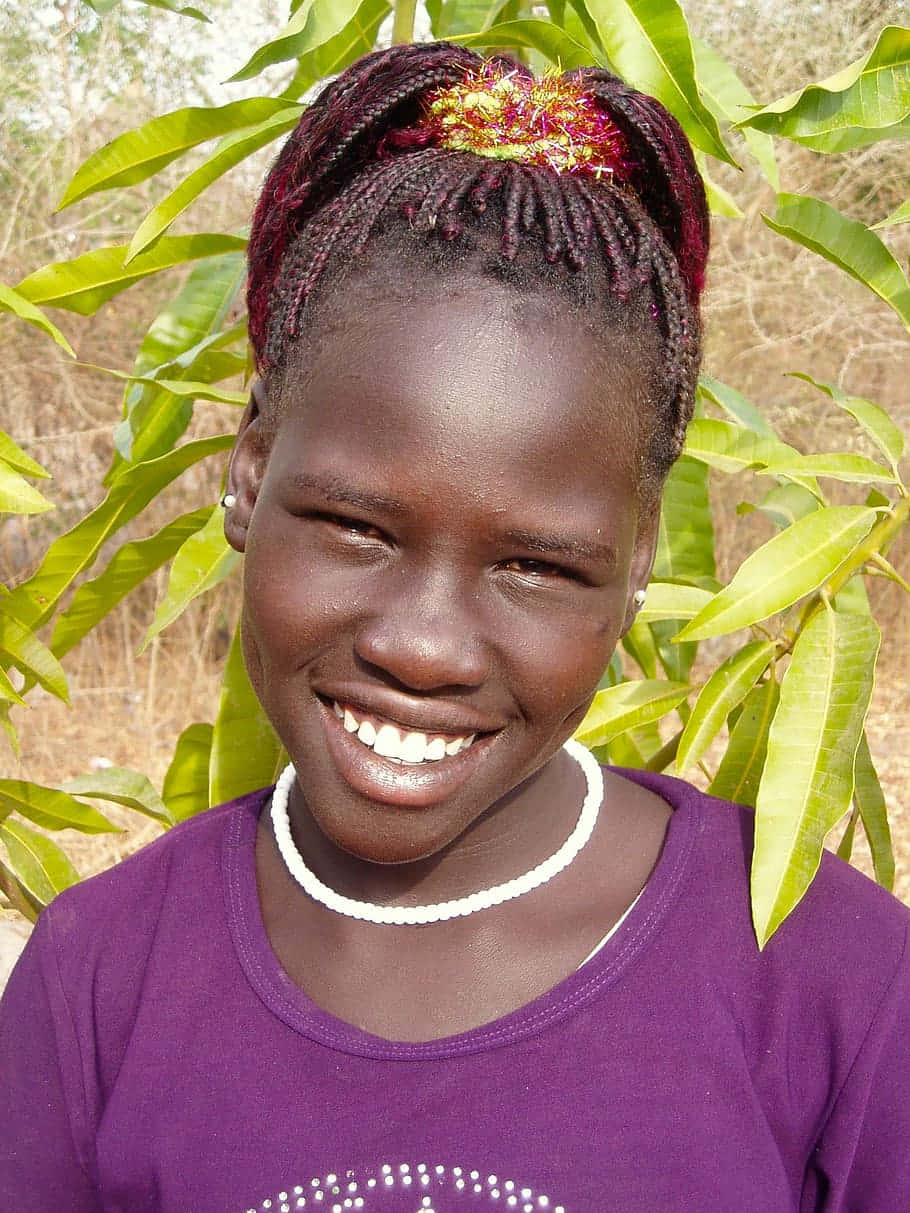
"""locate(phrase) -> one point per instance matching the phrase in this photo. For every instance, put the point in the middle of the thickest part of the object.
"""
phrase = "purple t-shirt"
(155, 1056)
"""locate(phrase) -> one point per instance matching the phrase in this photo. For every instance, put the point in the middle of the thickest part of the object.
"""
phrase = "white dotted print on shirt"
(434, 1187)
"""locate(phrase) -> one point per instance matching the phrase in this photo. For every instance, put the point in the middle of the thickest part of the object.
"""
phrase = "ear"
(246, 468)
(642, 560)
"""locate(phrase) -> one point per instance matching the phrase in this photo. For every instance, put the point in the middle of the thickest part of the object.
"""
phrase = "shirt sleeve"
(40, 1163)
(862, 1160)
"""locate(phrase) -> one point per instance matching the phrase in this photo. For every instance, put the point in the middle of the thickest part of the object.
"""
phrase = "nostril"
(425, 655)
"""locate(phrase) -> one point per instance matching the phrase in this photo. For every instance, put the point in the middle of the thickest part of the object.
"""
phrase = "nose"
(426, 634)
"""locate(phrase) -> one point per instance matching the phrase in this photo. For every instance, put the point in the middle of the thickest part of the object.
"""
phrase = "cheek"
(563, 661)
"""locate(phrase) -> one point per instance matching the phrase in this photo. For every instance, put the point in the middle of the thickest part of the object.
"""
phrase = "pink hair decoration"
(507, 115)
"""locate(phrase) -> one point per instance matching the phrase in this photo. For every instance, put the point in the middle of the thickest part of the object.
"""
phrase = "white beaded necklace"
(416, 915)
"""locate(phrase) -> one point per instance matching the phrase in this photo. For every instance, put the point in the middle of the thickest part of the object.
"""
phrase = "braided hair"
(360, 181)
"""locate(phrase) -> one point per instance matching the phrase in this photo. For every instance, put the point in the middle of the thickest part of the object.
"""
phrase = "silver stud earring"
(639, 598)
(228, 501)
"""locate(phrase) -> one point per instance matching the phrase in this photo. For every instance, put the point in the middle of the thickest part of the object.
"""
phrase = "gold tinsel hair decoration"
(507, 115)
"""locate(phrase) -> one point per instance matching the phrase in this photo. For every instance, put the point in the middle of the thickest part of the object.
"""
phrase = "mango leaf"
(186, 784)
(140, 153)
(783, 570)
(741, 767)
(51, 809)
(90, 280)
(740, 410)
(728, 98)
(311, 26)
(121, 786)
(639, 643)
(807, 783)
(176, 387)
(245, 750)
(34, 600)
(670, 600)
(636, 747)
(720, 200)
(685, 537)
(626, 706)
(869, 799)
(202, 562)
(648, 43)
(12, 301)
(871, 417)
(17, 496)
(727, 687)
(784, 504)
(17, 459)
(730, 448)
(231, 152)
(853, 469)
(16, 893)
(549, 39)
(845, 846)
(901, 215)
(850, 245)
(867, 101)
(356, 39)
(129, 566)
(20, 645)
(451, 18)
(183, 10)
(37, 862)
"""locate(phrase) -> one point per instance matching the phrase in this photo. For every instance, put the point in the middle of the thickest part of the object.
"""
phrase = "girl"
(449, 964)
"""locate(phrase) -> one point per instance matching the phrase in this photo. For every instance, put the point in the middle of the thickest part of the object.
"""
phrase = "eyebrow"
(562, 545)
(333, 489)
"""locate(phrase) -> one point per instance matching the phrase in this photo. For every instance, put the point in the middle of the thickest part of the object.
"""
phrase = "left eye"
(534, 568)
(355, 526)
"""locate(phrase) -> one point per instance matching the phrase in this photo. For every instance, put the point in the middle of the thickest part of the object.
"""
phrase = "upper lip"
(413, 714)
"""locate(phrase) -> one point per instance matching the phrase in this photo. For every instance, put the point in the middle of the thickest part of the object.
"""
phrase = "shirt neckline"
(296, 1009)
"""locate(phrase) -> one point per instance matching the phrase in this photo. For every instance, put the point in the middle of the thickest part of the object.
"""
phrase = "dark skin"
(444, 529)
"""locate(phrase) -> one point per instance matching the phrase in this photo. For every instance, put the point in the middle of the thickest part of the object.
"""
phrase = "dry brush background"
(771, 308)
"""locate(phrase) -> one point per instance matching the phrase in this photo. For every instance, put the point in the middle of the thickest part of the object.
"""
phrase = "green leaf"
(313, 24)
(138, 154)
(725, 690)
(730, 448)
(639, 644)
(85, 283)
(549, 39)
(901, 215)
(845, 846)
(870, 800)
(617, 709)
(356, 39)
(648, 43)
(202, 562)
(8, 695)
(50, 808)
(176, 387)
(670, 600)
(231, 152)
(37, 862)
(186, 784)
(867, 101)
(783, 570)
(245, 750)
(720, 200)
(121, 786)
(740, 410)
(807, 784)
(34, 600)
(685, 537)
(740, 769)
(129, 566)
(182, 10)
(17, 459)
(871, 417)
(17, 496)
(728, 98)
(785, 503)
(12, 301)
(451, 18)
(851, 246)
(853, 469)
(22, 647)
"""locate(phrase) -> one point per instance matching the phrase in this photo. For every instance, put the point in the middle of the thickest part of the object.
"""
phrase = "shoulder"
(117, 914)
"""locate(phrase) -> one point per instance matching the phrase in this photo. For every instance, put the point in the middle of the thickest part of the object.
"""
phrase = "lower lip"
(405, 785)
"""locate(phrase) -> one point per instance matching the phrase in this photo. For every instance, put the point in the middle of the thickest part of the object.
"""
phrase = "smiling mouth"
(405, 746)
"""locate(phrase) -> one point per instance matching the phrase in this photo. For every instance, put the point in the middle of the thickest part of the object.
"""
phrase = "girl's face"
(442, 535)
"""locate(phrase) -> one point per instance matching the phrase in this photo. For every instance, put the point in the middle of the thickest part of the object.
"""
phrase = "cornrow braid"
(362, 168)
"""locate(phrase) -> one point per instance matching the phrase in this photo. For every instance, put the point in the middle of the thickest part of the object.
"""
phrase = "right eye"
(355, 527)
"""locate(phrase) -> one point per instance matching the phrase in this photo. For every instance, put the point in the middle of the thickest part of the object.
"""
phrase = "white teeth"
(388, 741)
(414, 747)
(435, 750)
(391, 742)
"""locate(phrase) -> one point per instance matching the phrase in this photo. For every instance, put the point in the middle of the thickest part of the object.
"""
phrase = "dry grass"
(770, 308)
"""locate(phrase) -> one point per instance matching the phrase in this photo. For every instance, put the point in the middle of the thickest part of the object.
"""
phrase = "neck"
(514, 835)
